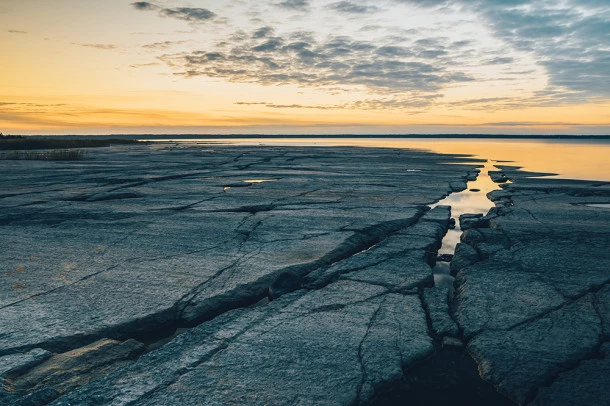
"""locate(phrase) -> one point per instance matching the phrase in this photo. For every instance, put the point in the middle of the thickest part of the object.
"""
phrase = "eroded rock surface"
(136, 241)
(532, 289)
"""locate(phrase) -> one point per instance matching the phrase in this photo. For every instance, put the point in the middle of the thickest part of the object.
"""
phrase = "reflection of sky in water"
(470, 202)
(574, 159)
(600, 205)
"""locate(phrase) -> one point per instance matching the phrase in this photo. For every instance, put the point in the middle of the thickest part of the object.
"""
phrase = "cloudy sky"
(305, 66)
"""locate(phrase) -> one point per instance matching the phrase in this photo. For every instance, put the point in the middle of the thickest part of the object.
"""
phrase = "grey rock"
(146, 237)
(335, 345)
(498, 176)
(64, 372)
(16, 364)
(520, 360)
(496, 295)
(533, 306)
(464, 256)
(436, 303)
(587, 384)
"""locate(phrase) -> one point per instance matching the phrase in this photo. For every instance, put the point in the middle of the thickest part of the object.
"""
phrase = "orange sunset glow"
(297, 66)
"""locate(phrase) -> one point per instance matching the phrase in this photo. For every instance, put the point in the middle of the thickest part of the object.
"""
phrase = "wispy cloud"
(297, 58)
(570, 39)
(348, 7)
(190, 14)
(98, 46)
(162, 44)
(300, 5)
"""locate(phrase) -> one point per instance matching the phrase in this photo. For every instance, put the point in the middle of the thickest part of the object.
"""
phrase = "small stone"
(444, 258)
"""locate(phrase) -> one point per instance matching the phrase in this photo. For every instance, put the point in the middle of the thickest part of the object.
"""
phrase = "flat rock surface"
(532, 289)
(133, 242)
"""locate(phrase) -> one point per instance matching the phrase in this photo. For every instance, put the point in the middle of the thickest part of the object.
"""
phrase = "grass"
(51, 155)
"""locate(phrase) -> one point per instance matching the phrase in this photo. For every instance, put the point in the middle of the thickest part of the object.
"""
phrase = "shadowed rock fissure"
(450, 375)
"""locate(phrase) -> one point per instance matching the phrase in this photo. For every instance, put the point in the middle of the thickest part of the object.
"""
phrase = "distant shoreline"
(330, 136)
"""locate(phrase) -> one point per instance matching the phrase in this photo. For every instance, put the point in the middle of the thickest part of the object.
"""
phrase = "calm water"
(587, 159)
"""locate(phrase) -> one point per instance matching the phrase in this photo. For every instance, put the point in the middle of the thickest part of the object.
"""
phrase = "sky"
(305, 67)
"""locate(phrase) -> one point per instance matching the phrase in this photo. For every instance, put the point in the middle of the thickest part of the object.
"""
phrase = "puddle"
(258, 180)
(472, 200)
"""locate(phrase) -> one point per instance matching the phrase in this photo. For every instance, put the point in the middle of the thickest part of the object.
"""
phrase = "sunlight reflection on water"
(574, 159)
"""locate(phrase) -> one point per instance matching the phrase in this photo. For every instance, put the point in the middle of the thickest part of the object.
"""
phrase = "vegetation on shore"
(16, 142)
(47, 155)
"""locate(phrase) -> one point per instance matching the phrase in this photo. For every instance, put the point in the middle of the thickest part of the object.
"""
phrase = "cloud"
(162, 45)
(300, 5)
(190, 14)
(298, 58)
(570, 39)
(17, 32)
(500, 61)
(348, 7)
(394, 102)
(263, 32)
(98, 46)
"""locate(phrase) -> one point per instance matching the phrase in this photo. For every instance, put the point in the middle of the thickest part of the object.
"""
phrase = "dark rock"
(451, 225)
(436, 304)
(285, 283)
(587, 384)
(464, 256)
(473, 221)
(444, 257)
(498, 176)
(38, 398)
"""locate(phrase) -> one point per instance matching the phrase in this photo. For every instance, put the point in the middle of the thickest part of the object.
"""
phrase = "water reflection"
(599, 205)
(473, 200)
(574, 159)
